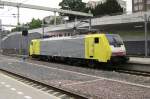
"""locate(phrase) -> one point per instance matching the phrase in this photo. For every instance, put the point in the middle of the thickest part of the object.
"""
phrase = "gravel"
(144, 80)
(91, 82)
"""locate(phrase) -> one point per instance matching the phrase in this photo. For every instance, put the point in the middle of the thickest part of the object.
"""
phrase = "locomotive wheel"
(91, 64)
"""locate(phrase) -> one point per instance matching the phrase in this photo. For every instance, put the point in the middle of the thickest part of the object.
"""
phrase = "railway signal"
(24, 32)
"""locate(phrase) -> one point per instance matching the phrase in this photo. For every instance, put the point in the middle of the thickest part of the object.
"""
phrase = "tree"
(35, 23)
(112, 6)
(74, 5)
(107, 8)
(98, 10)
(16, 29)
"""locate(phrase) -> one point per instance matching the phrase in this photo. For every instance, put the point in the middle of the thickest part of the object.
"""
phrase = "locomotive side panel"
(72, 47)
(97, 47)
(35, 47)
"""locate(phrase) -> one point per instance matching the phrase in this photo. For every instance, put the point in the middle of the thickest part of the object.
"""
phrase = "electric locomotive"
(90, 48)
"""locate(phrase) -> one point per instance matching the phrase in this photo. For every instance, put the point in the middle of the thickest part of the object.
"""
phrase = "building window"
(140, 1)
(136, 8)
(140, 7)
(148, 2)
(135, 1)
(148, 7)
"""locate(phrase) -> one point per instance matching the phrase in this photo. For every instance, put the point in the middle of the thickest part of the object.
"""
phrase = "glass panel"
(114, 39)
(96, 40)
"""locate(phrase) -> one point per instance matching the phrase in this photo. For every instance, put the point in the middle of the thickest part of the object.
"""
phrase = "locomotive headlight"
(122, 53)
(118, 51)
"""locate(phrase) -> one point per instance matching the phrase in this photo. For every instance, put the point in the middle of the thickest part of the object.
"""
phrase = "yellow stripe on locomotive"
(34, 48)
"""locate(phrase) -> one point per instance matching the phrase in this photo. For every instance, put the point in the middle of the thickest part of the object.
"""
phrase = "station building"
(140, 5)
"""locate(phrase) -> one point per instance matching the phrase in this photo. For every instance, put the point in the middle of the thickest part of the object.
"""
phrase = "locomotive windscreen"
(114, 39)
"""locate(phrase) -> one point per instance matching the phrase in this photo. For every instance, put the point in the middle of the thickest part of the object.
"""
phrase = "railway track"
(136, 69)
(54, 67)
(134, 72)
(60, 93)
(130, 68)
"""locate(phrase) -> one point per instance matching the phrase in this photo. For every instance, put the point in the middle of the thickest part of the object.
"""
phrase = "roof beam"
(29, 6)
(7, 25)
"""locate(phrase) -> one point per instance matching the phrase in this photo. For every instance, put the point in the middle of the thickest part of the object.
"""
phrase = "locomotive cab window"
(96, 40)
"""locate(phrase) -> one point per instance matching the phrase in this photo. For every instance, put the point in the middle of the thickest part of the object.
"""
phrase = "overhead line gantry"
(21, 5)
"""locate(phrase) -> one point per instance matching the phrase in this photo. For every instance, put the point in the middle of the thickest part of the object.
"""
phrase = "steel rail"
(133, 68)
(71, 94)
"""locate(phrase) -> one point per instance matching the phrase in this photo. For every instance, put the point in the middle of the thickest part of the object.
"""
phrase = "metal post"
(18, 23)
(55, 18)
(43, 27)
(27, 46)
(146, 40)
(18, 15)
(75, 21)
(90, 24)
(21, 45)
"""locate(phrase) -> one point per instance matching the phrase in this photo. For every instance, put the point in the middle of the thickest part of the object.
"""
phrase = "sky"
(8, 14)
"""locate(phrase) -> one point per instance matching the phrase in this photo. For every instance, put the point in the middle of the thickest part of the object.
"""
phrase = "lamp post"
(90, 21)
(146, 20)
(55, 18)
(43, 27)
(18, 15)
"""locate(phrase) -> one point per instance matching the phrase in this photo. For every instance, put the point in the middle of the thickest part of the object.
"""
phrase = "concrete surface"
(13, 89)
(139, 60)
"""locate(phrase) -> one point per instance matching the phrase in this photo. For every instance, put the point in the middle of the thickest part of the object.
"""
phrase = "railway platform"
(99, 85)
(12, 89)
(139, 60)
